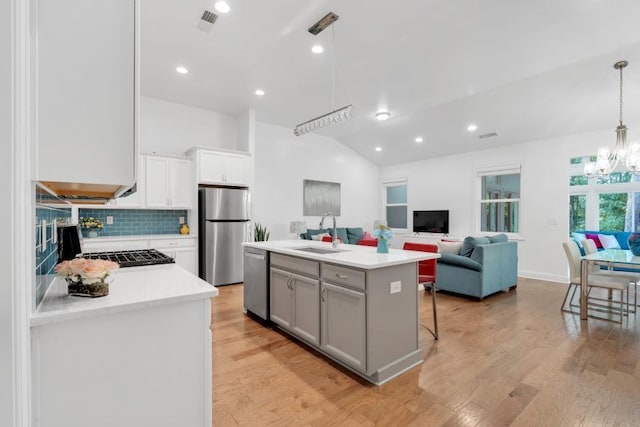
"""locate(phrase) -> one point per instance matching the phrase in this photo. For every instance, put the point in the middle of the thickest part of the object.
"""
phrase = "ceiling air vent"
(205, 24)
(487, 135)
(209, 17)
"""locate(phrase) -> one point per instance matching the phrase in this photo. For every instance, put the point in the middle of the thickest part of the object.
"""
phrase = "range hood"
(87, 193)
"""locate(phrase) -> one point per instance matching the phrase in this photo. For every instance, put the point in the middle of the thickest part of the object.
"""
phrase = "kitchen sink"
(319, 250)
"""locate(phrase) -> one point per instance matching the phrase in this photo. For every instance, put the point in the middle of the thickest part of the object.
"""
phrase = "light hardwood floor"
(512, 359)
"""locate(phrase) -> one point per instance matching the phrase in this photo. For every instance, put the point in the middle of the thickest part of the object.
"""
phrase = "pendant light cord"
(621, 95)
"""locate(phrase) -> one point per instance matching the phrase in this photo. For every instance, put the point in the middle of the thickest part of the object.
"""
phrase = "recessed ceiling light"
(383, 115)
(182, 70)
(378, 148)
(222, 7)
(317, 49)
(259, 92)
(472, 128)
(419, 139)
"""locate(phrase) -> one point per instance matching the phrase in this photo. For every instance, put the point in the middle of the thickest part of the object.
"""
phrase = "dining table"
(611, 258)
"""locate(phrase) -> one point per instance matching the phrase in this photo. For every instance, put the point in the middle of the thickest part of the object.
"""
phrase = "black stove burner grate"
(133, 258)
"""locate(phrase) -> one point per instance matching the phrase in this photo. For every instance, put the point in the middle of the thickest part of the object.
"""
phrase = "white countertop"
(364, 257)
(138, 237)
(132, 288)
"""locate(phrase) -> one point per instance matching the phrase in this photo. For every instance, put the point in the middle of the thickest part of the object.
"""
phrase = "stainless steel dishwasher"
(256, 282)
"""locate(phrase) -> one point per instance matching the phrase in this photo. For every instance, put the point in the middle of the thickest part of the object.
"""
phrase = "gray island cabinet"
(355, 306)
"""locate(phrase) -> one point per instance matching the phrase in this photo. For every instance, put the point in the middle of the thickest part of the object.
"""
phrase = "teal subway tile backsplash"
(46, 249)
(128, 222)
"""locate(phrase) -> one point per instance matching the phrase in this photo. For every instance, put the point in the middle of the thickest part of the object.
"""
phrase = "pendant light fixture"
(334, 116)
(626, 154)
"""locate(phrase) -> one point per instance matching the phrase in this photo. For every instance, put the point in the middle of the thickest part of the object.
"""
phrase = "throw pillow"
(578, 237)
(354, 234)
(320, 236)
(341, 232)
(470, 244)
(312, 232)
(608, 241)
(449, 247)
(499, 238)
(595, 238)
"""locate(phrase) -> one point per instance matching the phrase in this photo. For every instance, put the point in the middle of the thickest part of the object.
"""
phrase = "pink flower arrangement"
(87, 271)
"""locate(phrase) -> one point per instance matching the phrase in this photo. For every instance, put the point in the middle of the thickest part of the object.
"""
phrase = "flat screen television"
(431, 222)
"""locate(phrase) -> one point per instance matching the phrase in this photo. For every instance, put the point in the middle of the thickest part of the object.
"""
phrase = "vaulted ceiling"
(526, 70)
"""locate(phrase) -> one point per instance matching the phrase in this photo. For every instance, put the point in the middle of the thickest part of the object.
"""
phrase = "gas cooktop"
(134, 258)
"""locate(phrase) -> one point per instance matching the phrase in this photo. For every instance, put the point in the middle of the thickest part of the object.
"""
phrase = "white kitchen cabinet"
(86, 92)
(184, 251)
(223, 167)
(168, 182)
(139, 357)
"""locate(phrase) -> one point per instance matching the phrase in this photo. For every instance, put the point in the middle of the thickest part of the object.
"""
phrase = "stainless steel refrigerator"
(224, 225)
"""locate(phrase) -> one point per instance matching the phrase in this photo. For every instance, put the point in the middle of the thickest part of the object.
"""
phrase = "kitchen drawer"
(121, 245)
(343, 276)
(300, 265)
(172, 243)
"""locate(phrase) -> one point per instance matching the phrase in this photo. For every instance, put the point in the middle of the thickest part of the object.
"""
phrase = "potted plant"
(383, 233)
(87, 277)
(260, 233)
(93, 224)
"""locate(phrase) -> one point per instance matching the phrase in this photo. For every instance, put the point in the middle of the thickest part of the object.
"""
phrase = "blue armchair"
(488, 268)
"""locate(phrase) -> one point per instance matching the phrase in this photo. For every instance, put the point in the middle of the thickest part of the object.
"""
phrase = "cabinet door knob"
(341, 276)
(323, 294)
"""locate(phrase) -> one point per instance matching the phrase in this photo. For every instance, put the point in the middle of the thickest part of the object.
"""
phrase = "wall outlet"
(395, 287)
(181, 220)
(109, 220)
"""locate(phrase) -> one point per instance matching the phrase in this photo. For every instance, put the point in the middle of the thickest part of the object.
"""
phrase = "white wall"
(283, 161)
(170, 128)
(450, 183)
(6, 316)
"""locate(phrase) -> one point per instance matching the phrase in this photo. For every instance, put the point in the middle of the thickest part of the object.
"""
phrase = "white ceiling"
(524, 69)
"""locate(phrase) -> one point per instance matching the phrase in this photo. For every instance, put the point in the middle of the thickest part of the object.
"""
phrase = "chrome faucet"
(334, 240)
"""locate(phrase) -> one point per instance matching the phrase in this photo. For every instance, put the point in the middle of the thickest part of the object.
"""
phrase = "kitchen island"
(354, 305)
(138, 356)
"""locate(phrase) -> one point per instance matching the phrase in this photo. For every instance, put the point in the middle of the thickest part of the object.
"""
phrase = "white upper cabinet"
(86, 91)
(168, 182)
(222, 167)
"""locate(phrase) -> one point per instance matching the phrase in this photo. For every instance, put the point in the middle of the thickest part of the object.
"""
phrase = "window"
(608, 204)
(500, 200)
(395, 201)
(577, 212)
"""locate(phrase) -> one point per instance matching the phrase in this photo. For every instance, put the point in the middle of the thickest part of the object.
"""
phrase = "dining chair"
(427, 277)
(594, 281)
(590, 247)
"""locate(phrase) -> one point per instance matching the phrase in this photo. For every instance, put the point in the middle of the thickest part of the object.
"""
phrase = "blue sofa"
(621, 236)
(350, 235)
(483, 267)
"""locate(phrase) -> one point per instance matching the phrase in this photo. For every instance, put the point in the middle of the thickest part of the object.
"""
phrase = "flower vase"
(383, 247)
(92, 290)
(93, 233)
(634, 243)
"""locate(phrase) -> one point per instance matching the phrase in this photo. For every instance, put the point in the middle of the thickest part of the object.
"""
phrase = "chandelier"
(335, 116)
(626, 154)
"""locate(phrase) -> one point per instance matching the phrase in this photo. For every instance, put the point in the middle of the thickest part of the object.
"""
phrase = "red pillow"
(595, 238)
(330, 239)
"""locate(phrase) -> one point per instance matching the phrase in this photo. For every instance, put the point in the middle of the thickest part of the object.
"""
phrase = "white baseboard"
(544, 276)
